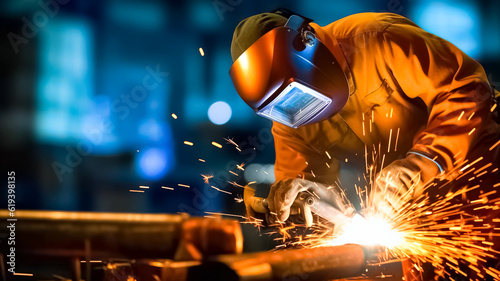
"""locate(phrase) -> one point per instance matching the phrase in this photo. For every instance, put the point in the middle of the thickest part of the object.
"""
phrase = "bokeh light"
(260, 173)
(219, 113)
(153, 163)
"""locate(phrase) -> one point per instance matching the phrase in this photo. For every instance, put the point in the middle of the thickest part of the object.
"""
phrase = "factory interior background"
(101, 99)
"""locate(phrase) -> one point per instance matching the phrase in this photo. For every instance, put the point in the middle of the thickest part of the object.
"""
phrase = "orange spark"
(22, 274)
(240, 167)
(233, 183)
(216, 144)
(461, 114)
(238, 199)
(495, 145)
(218, 189)
(230, 141)
(470, 117)
(390, 137)
(397, 139)
(206, 178)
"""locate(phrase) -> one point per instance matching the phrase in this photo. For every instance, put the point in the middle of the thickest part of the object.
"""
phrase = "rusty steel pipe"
(322, 263)
(121, 235)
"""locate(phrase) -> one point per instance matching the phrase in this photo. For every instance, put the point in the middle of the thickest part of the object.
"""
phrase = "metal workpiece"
(202, 237)
(322, 263)
(168, 270)
(404, 269)
(115, 235)
(394, 270)
(144, 270)
(268, 266)
(116, 246)
(45, 240)
(122, 235)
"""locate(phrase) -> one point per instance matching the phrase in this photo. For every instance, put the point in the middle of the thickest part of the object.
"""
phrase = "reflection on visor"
(295, 105)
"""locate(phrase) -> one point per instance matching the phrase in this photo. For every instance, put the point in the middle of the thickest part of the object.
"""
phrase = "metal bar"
(117, 235)
(323, 263)
(76, 269)
(121, 235)
(87, 260)
(2, 267)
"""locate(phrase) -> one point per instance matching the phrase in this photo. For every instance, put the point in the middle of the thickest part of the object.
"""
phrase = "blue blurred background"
(99, 97)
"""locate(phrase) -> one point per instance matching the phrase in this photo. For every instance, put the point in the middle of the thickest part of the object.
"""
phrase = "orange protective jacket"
(409, 91)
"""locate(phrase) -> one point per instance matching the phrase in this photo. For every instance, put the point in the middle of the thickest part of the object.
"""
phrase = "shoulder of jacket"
(365, 23)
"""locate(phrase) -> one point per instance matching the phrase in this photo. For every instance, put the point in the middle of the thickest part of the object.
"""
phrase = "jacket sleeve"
(294, 159)
(453, 86)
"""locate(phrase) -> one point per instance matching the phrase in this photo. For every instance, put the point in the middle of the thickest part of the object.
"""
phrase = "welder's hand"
(400, 182)
(253, 204)
(283, 195)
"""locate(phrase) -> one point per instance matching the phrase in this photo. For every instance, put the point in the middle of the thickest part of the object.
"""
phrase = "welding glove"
(400, 182)
(284, 198)
(253, 204)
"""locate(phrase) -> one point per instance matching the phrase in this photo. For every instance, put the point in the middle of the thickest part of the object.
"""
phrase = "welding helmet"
(287, 75)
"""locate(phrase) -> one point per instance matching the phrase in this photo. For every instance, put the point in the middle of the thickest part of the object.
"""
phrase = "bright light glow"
(64, 81)
(153, 163)
(370, 232)
(219, 113)
(243, 60)
(151, 129)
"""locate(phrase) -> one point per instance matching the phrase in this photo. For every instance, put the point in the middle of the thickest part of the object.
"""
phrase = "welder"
(370, 86)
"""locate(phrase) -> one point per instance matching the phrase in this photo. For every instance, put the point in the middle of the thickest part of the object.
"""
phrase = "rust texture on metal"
(323, 263)
(122, 235)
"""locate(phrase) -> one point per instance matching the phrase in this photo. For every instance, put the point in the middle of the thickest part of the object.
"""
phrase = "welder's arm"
(453, 86)
(294, 160)
(299, 168)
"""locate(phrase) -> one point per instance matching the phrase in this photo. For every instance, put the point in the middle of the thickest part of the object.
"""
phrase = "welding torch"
(329, 205)
(320, 208)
